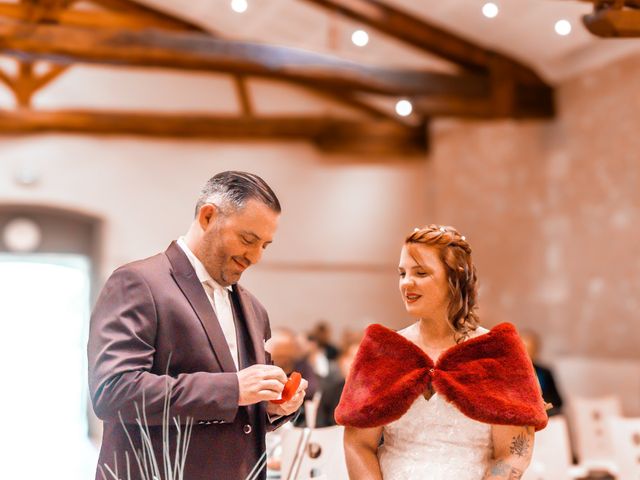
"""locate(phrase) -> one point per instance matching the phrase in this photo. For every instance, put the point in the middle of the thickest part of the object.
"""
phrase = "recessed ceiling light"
(239, 6)
(360, 38)
(404, 108)
(563, 27)
(490, 10)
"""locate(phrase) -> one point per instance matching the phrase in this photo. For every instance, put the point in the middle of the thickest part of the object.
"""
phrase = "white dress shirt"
(218, 297)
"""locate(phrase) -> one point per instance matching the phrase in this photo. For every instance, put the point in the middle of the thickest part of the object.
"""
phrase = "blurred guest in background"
(545, 375)
(321, 333)
(287, 353)
(315, 355)
(333, 387)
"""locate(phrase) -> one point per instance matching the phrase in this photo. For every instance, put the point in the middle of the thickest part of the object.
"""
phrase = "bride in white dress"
(434, 440)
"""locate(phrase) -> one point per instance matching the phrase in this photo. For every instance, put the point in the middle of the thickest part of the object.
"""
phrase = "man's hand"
(260, 382)
(287, 408)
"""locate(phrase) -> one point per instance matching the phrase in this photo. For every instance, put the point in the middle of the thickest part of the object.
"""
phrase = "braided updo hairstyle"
(455, 254)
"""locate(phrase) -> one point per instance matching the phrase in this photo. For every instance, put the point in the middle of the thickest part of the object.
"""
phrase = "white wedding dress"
(435, 441)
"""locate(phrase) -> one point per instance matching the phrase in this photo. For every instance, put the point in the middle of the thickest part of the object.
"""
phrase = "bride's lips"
(411, 297)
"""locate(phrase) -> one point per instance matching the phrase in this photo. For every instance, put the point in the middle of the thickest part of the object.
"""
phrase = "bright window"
(44, 317)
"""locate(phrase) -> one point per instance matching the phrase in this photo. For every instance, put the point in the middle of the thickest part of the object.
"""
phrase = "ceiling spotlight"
(239, 6)
(404, 108)
(490, 10)
(360, 38)
(563, 27)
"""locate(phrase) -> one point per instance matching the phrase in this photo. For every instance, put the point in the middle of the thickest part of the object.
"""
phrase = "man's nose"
(253, 255)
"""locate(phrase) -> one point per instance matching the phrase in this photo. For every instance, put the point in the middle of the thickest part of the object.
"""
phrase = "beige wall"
(552, 210)
(343, 218)
(550, 207)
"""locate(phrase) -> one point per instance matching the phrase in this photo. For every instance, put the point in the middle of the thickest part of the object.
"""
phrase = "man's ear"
(207, 214)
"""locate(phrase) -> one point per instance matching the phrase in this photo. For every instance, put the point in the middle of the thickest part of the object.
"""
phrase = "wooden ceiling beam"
(39, 10)
(327, 133)
(613, 3)
(135, 19)
(124, 14)
(26, 82)
(117, 18)
(519, 102)
(243, 95)
(149, 14)
(194, 51)
(351, 100)
(23, 84)
(613, 18)
(428, 37)
(611, 22)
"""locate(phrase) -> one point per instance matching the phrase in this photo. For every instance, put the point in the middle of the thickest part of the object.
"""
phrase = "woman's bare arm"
(361, 447)
(512, 450)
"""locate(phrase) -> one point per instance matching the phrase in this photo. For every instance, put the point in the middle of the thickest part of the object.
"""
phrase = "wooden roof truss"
(122, 32)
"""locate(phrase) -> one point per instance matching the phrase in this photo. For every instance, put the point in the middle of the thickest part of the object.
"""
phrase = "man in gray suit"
(179, 322)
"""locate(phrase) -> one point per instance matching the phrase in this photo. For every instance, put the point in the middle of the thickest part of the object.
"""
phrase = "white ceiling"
(524, 30)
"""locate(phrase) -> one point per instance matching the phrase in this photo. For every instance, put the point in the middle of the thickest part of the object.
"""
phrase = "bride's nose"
(406, 281)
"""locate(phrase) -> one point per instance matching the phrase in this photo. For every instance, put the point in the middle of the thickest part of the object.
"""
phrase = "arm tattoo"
(499, 468)
(515, 474)
(519, 445)
(504, 471)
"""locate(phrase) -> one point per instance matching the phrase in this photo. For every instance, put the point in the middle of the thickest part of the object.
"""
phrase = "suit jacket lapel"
(186, 278)
(252, 322)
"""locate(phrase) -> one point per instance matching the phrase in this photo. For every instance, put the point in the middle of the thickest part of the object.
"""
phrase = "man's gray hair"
(229, 191)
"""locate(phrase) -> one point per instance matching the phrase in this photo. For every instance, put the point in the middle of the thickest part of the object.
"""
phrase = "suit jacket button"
(247, 429)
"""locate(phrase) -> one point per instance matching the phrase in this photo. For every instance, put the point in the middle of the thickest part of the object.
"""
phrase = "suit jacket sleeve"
(121, 353)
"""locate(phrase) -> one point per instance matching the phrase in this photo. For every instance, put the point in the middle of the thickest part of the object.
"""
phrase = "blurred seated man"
(545, 376)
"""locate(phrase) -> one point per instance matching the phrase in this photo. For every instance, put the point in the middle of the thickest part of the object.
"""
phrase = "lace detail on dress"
(435, 441)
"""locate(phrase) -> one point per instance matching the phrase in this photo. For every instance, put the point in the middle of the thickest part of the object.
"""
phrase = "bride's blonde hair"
(455, 255)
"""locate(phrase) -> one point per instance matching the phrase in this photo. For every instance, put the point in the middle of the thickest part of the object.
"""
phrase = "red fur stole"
(489, 378)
